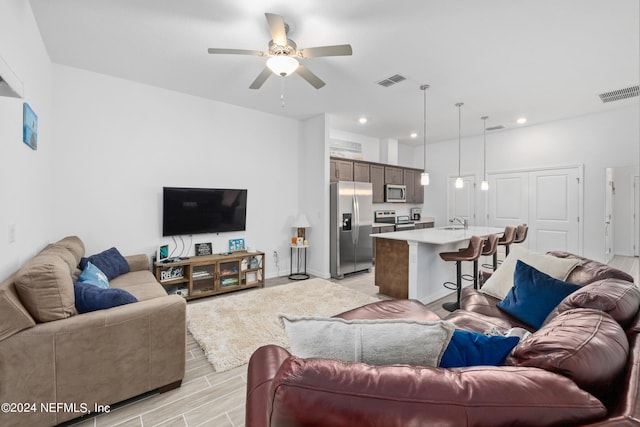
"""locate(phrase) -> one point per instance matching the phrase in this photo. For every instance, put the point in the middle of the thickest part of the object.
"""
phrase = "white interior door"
(636, 215)
(508, 199)
(554, 210)
(462, 201)
(608, 215)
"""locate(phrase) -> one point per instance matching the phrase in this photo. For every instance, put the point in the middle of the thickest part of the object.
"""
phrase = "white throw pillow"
(375, 342)
(501, 281)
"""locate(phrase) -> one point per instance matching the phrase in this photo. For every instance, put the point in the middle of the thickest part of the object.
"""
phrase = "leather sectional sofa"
(57, 365)
(580, 368)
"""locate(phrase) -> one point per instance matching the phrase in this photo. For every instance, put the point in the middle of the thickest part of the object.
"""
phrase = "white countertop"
(440, 235)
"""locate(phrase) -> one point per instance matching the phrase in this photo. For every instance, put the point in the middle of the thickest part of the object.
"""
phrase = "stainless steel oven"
(395, 193)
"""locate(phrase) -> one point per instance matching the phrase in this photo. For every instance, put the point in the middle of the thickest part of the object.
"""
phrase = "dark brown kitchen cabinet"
(376, 176)
(393, 175)
(361, 172)
(409, 183)
(418, 189)
(340, 170)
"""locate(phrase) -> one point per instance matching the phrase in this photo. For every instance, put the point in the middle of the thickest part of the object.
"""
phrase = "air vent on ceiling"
(617, 95)
(390, 81)
(495, 128)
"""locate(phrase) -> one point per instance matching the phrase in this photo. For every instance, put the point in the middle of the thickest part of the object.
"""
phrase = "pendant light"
(484, 185)
(424, 176)
(459, 181)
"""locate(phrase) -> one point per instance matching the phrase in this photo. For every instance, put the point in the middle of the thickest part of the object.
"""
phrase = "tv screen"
(202, 210)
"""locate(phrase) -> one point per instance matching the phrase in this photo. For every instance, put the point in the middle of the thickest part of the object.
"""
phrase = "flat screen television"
(202, 210)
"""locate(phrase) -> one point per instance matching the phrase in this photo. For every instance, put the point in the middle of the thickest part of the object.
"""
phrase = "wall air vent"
(499, 127)
(390, 81)
(617, 95)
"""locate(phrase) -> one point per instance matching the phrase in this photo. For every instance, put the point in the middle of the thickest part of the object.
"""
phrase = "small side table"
(301, 252)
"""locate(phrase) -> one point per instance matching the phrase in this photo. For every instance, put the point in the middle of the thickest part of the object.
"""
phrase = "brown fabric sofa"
(580, 368)
(60, 364)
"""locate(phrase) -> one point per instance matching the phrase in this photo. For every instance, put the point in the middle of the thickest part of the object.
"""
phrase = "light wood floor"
(207, 398)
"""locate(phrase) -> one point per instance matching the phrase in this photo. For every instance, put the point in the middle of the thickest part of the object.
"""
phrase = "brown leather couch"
(56, 364)
(582, 367)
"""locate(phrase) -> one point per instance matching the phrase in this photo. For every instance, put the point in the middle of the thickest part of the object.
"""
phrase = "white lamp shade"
(282, 65)
(459, 182)
(301, 222)
(484, 185)
(424, 178)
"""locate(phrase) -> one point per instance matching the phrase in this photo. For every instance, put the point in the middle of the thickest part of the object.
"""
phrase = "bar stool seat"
(506, 240)
(521, 233)
(490, 249)
(471, 253)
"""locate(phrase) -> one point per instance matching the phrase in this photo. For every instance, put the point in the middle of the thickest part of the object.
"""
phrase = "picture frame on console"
(203, 249)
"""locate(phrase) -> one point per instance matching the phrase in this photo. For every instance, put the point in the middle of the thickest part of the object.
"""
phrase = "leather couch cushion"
(323, 392)
(619, 298)
(585, 345)
(45, 288)
(589, 271)
(377, 342)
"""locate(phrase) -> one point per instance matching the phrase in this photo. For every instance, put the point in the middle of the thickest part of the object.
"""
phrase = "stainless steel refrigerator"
(351, 227)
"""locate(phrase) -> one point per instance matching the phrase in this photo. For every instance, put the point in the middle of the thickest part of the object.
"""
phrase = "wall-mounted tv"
(202, 210)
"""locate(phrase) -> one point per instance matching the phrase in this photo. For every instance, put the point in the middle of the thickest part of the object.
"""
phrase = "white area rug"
(231, 328)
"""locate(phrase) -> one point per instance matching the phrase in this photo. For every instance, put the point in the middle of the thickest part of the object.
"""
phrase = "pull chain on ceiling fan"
(284, 55)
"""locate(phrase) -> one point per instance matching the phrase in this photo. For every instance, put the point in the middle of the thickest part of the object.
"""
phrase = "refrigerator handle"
(356, 228)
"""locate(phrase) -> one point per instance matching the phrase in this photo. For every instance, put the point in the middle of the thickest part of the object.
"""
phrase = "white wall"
(597, 141)
(314, 191)
(370, 146)
(120, 142)
(25, 175)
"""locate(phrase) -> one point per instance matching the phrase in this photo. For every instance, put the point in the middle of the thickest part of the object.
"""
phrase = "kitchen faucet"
(462, 221)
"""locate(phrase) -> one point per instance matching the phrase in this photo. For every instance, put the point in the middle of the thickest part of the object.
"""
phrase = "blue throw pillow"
(534, 295)
(94, 276)
(110, 262)
(475, 349)
(92, 298)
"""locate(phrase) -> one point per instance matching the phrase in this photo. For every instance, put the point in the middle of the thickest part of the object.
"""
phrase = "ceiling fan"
(283, 54)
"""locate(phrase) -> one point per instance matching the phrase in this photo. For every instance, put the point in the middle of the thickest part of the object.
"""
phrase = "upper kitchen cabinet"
(361, 172)
(340, 170)
(393, 175)
(415, 190)
(376, 174)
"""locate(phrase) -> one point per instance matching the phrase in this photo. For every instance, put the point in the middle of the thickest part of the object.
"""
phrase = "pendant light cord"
(484, 151)
(424, 128)
(459, 104)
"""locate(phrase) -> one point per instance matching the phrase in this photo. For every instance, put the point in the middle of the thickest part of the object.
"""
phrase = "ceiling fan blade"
(338, 50)
(310, 77)
(276, 26)
(236, 52)
(262, 77)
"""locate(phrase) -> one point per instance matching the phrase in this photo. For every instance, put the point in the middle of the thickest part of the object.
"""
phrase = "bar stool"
(521, 233)
(506, 240)
(471, 253)
(490, 249)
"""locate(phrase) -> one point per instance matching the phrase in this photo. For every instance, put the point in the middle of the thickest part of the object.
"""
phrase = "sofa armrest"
(324, 392)
(138, 262)
(101, 357)
(263, 367)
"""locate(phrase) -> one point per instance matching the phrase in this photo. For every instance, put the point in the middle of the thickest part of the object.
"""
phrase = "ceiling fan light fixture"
(282, 65)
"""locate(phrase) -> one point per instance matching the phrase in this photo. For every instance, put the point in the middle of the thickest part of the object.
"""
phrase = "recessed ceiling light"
(413, 135)
(522, 120)
(362, 120)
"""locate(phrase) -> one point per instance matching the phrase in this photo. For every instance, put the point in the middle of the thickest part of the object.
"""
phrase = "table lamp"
(301, 223)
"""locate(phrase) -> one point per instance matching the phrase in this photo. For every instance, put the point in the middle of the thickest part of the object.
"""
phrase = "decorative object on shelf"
(484, 185)
(176, 272)
(424, 176)
(162, 253)
(236, 245)
(301, 223)
(29, 127)
(203, 249)
(459, 181)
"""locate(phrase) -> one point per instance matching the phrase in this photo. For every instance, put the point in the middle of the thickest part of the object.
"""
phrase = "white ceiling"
(543, 59)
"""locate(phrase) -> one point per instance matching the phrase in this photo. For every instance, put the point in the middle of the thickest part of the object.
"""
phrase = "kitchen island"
(408, 264)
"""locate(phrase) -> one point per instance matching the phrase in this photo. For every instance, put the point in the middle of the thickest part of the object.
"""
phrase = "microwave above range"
(394, 193)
